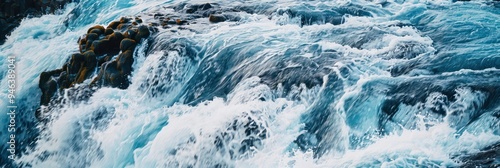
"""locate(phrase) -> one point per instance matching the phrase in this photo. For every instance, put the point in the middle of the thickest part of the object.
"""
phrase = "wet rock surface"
(106, 53)
(13, 11)
(96, 51)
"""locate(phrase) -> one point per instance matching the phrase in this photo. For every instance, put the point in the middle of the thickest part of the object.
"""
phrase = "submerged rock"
(194, 8)
(216, 18)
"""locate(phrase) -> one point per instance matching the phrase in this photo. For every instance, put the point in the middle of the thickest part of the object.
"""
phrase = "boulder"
(123, 26)
(130, 33)
(91, 37)
(48, 88)
(115, 73)
(102, 59)
(90, 59)
(82, 42)
(48, 85)
(127, 44)
(75, 64)
(63, 80)
(116, 37)
(109, 75)
(204, 6)
(195, 8)
(97, 28)
(108, 31)
(97, 31)
(115, 40)
(124, 62)
(142, 32)
(113, 25)
(101, 47)
(90, 63)
(216, 18)
(124, 20)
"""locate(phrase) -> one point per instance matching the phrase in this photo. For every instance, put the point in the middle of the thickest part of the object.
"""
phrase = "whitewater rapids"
(290, 84)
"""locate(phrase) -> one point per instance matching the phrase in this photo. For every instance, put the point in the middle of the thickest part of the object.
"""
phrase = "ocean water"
(347, 83)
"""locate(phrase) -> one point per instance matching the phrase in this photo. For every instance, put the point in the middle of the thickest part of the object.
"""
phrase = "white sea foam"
(144, 127)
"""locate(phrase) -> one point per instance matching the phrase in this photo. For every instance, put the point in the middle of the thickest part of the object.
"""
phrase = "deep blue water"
(285, 84)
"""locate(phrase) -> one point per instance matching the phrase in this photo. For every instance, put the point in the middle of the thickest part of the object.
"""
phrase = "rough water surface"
(347, 83)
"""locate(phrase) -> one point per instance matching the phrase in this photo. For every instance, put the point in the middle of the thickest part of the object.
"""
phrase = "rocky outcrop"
(97, 49)
(106, 53)
(13, 11)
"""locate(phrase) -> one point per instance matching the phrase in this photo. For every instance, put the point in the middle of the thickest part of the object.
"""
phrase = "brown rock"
(91, 37)
(75, 64)
(90, 59)
(82, 42)
(123, 26)
(127, 44)
(216, 18)
(88, 67)
(114, 24)
(101, 47)
(103, 59)
(124, 62)
(110, 75)
(115, 40)
(130, 33)
(142, 32)
(108, 31)
(180, 22)
(96, 27)
(124, 20)
(48, 85)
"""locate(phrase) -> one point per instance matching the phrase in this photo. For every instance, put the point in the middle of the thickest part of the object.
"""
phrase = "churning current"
(272, 83)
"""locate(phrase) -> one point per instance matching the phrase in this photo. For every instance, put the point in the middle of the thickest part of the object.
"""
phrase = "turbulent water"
(290, 84)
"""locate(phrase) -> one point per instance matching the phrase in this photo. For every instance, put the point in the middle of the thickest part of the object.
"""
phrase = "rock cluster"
(188, 13)
(97, 49)
(106, 53)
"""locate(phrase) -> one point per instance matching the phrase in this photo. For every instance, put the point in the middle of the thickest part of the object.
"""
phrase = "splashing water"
(290, 84)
